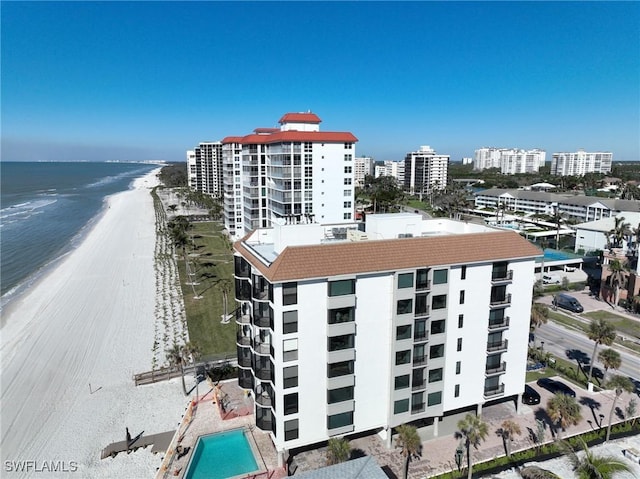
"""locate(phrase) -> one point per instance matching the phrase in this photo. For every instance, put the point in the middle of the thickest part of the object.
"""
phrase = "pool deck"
(205, 416)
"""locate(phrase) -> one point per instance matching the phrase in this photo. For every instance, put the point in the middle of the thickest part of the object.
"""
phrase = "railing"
(497, 346)
(424, 286)
(243, 340)
(491, 370)
(266, 374)
(500, 301)
(420, 360)
(418, 385)
(421, 336)
(497, 276)
(417, 408)
(262, 348)
(242, 318)
(264, 400)
(495, 391)
(502, 323)
(424, 312)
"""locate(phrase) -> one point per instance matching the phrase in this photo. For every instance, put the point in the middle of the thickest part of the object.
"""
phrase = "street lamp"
(459, 454)
(542, 346)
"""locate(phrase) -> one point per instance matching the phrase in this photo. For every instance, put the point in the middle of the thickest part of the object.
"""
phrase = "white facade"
(581, 162)
(391, 168)
(345, 331)
(295, 174)
(425, 170)
(204, 168)
(594, 235)
(509, 160)
(362, 166)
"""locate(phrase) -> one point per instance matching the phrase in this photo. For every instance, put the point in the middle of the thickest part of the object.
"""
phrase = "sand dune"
(89, 321)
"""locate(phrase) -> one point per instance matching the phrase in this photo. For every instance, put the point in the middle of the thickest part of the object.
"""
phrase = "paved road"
(560, 341)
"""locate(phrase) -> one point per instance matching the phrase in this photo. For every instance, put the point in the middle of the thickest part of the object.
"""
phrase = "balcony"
(420, 336)
(244, 357)
(497, 324)
(417, 408)
(423, 285)
(500, 301)
(502, 276)
(423, 311)
(242, 340)
(497, 346)
(492, 370)
(261, 347)
(417, 385)
(420, 360)
(243, 318)
(245, 379)
(264, 371)
(494, 391)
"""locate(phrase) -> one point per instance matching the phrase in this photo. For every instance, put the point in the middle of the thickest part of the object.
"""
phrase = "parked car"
(555, 386)
(568, 302)
(530, 395)
(550, 279)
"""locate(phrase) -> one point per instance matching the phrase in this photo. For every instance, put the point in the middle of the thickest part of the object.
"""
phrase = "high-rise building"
(344, 329)
(425, 170)
(581, 162)
(295, 174)
(362, 166)
(391, 168)
(509, 160)
(204, 168)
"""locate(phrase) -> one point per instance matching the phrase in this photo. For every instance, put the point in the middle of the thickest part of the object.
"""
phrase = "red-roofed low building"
(295, 174)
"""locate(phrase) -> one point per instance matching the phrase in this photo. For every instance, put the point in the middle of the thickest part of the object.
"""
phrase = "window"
(436, 351)
(342, 368)
(290, 322)
(434, 398)
(336, 343)
(401, 406)
(420, 331)
(460, 320)
(456, 391)
(404, 306)
(405, 280)
(291, 430)
(290, 404)
(340, 420)
(290, 377)
(403, 332)
(348, 157)
(346, 216)
(417, 402)
(347, 204)
(348, 169)
(439, 301)
(341, 315)
(437, 327)
(343, 287)
(458, 366)
(401, 382)
(459, 344)
(348, 146)
(440, 276)
(347, 192)
(339, 395)
(289, 350)
(403, 357)
(421, 304)
(463, 272)
(347, 181)
(422, 279)
(289, 293)
(435, 375)
(462, 296)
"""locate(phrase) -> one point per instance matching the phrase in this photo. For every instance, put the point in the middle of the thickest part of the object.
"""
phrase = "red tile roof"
(232, 139)
(300, 118)
(347, 258)
(266, 130)
(293, 136)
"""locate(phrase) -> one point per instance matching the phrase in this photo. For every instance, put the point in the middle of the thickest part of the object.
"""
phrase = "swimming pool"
(221, 455)
(555, 255)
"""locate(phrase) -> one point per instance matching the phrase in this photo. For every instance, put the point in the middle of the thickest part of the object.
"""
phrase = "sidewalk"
(438, 454)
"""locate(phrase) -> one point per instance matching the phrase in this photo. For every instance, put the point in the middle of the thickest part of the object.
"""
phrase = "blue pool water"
(554, 255)
(221, 455)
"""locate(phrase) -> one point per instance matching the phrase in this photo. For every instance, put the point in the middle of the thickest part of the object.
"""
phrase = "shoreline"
(70, 344)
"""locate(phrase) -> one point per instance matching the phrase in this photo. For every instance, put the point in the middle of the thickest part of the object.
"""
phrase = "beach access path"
(70, 346)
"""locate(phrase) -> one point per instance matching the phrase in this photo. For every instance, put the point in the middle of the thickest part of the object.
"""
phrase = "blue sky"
(149, 80)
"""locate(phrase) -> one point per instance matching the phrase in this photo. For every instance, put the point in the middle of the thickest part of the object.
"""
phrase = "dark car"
(567, 302)
(555, 386)
(530, 395)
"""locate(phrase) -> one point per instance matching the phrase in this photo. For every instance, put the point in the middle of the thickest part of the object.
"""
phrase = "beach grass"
(211, 261)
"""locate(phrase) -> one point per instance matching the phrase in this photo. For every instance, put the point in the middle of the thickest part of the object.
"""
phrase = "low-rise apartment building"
(345, 329)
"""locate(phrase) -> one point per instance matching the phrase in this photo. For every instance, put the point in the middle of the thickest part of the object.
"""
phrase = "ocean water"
(45, 208)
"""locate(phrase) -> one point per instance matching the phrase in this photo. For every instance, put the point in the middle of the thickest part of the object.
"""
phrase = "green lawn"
(213, 264)
(625, 326)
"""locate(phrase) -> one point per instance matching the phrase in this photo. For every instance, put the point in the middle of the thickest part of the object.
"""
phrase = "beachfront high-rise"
(425, 170)
(581, 162)
(509, 160)
(391, 168)
(294, 174)
(204, 168)
(361, 328)
(362, 166)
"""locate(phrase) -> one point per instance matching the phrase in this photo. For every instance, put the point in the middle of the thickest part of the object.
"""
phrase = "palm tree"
(616, 279)
(535, 472)
(409, 442)
(564, 410)
(539, 315)
(507, 430)
(474, 430)
(610, 359)
(176, 359)
(618, 233)
(338, 450)
(591, 466)
(225, 287)
(601, 332)
(619, 384)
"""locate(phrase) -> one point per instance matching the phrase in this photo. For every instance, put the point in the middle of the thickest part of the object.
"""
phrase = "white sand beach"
(90, 321)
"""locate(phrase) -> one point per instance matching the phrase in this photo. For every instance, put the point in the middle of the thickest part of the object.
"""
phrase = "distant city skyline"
(150, 80)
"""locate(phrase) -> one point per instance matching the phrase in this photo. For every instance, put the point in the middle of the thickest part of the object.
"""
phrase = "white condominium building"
(509, 160)
(295, 174)
(425, 170)
(391, 168)
(204, 168)
(362, 166)
(344, 330)
(581, 162)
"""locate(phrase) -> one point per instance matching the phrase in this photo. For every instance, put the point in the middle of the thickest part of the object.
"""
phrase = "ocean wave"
(24, 210)
(110, 179)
